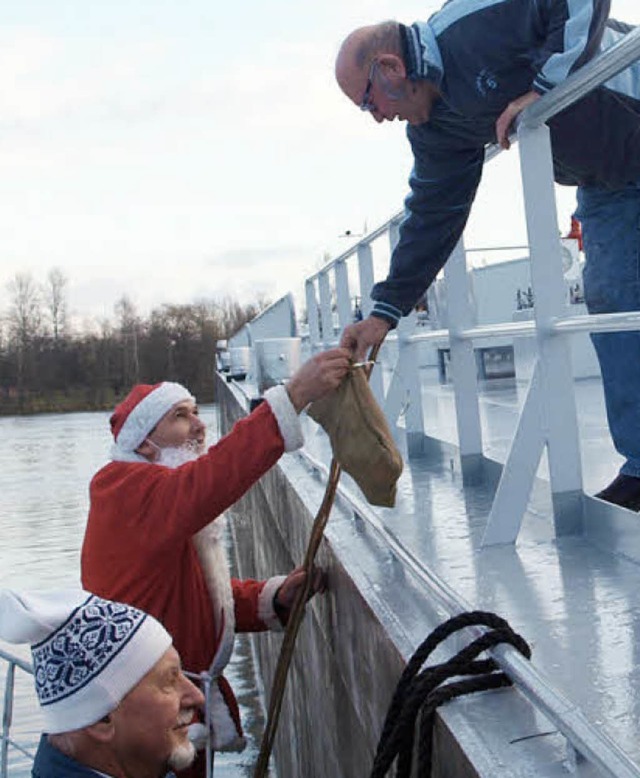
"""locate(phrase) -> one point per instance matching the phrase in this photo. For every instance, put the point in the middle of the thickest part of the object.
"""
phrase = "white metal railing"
(7, 711)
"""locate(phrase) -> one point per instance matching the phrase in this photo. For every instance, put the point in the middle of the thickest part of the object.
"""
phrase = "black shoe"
(624, 490)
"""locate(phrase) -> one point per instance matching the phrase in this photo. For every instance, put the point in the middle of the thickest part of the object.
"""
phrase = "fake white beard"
(182, 756)
(176, 456)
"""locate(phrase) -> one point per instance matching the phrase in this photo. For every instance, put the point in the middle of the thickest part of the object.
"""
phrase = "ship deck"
(575, 599)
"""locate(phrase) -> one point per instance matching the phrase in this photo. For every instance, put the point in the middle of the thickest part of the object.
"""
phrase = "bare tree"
(95, 365)
(55, 298)
(24, 324)
(130, 330)
(233, 315)
(25, 312)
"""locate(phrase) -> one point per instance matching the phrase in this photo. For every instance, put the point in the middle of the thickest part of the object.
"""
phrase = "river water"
(46, 463)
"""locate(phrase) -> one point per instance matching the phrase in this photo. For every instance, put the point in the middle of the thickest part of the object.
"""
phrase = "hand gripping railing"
(7, 711)
(608, 64)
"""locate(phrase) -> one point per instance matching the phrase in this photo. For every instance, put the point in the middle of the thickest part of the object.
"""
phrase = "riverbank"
(86, 400)
(72, 401)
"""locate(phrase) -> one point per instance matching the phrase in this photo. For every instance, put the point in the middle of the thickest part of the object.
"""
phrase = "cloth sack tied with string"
(360, 437)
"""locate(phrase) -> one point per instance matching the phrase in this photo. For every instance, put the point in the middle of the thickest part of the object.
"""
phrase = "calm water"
(46, 463)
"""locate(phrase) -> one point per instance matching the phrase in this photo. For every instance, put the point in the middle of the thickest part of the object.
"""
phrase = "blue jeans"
(611, 234)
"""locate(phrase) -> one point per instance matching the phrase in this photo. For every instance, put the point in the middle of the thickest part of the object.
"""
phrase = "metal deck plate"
(576, 600)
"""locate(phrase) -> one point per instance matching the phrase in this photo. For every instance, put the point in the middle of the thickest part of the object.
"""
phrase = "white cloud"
(137, 146)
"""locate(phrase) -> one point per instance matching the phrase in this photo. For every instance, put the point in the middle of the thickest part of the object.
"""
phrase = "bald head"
(359, 49)
(371, 71)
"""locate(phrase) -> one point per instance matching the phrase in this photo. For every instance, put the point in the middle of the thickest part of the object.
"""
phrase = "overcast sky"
(177, 149)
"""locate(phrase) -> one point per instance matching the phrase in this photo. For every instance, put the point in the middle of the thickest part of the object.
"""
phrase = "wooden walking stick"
(297, 611)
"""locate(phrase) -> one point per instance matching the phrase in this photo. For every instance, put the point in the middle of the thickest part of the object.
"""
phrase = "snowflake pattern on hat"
(80, 649)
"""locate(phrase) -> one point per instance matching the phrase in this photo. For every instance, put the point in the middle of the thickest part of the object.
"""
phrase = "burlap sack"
(360, 437)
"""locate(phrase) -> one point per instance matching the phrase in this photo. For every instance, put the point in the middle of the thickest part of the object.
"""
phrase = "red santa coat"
(141, 544)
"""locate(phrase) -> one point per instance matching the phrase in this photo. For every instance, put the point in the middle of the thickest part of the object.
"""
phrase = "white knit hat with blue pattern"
(88, 653)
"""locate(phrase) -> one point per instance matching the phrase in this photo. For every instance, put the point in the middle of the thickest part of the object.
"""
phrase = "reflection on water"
(46, 463)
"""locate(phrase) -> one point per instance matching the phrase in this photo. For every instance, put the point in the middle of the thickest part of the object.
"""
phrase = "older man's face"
(380, 86)
(151, 722)
(181, 426)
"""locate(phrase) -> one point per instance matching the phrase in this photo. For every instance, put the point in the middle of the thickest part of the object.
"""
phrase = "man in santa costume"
(154, 536)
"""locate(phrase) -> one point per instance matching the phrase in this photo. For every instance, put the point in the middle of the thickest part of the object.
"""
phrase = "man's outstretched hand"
(317, 376)
(359, 337)
(292, 584)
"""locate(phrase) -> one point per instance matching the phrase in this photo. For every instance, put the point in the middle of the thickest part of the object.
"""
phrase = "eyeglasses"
(367, 103)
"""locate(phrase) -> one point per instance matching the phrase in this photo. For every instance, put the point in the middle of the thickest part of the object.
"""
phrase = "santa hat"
(142, 409)
(88, 653)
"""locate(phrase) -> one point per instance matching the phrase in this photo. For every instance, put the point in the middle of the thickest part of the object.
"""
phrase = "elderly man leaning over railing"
(512, 53)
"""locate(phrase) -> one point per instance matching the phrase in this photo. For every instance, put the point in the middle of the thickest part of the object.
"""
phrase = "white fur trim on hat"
(286, 416)
(266, 612)
(148, 412)
(88, 653)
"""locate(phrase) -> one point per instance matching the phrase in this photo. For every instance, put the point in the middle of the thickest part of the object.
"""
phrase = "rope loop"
(420, 692)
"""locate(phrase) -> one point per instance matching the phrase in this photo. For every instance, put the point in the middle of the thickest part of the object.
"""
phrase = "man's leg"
(611, 234)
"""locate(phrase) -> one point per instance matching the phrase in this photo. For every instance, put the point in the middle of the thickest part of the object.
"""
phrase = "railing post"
(343, 299)
(519, 471)
(7, 716)
(463, 362)
(312, 315)
(405, 389)
(325, 308)
(559, 419)
(404, 395)
(365, 273)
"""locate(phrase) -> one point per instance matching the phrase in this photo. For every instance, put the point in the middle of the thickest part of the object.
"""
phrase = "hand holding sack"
(360, 437)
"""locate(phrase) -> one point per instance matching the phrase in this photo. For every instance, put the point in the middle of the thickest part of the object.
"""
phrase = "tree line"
(46, 365)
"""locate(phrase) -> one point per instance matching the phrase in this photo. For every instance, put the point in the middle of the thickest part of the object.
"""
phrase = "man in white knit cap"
(154, 535)
(110, 685)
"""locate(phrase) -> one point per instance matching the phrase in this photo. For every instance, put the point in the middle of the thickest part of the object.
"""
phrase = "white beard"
(182, 756)
(175, 456)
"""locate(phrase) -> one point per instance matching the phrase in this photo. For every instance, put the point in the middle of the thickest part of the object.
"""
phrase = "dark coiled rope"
(422, 692)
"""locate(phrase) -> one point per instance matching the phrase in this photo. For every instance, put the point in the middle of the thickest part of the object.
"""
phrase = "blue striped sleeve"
(388, 312)
(573, 36)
